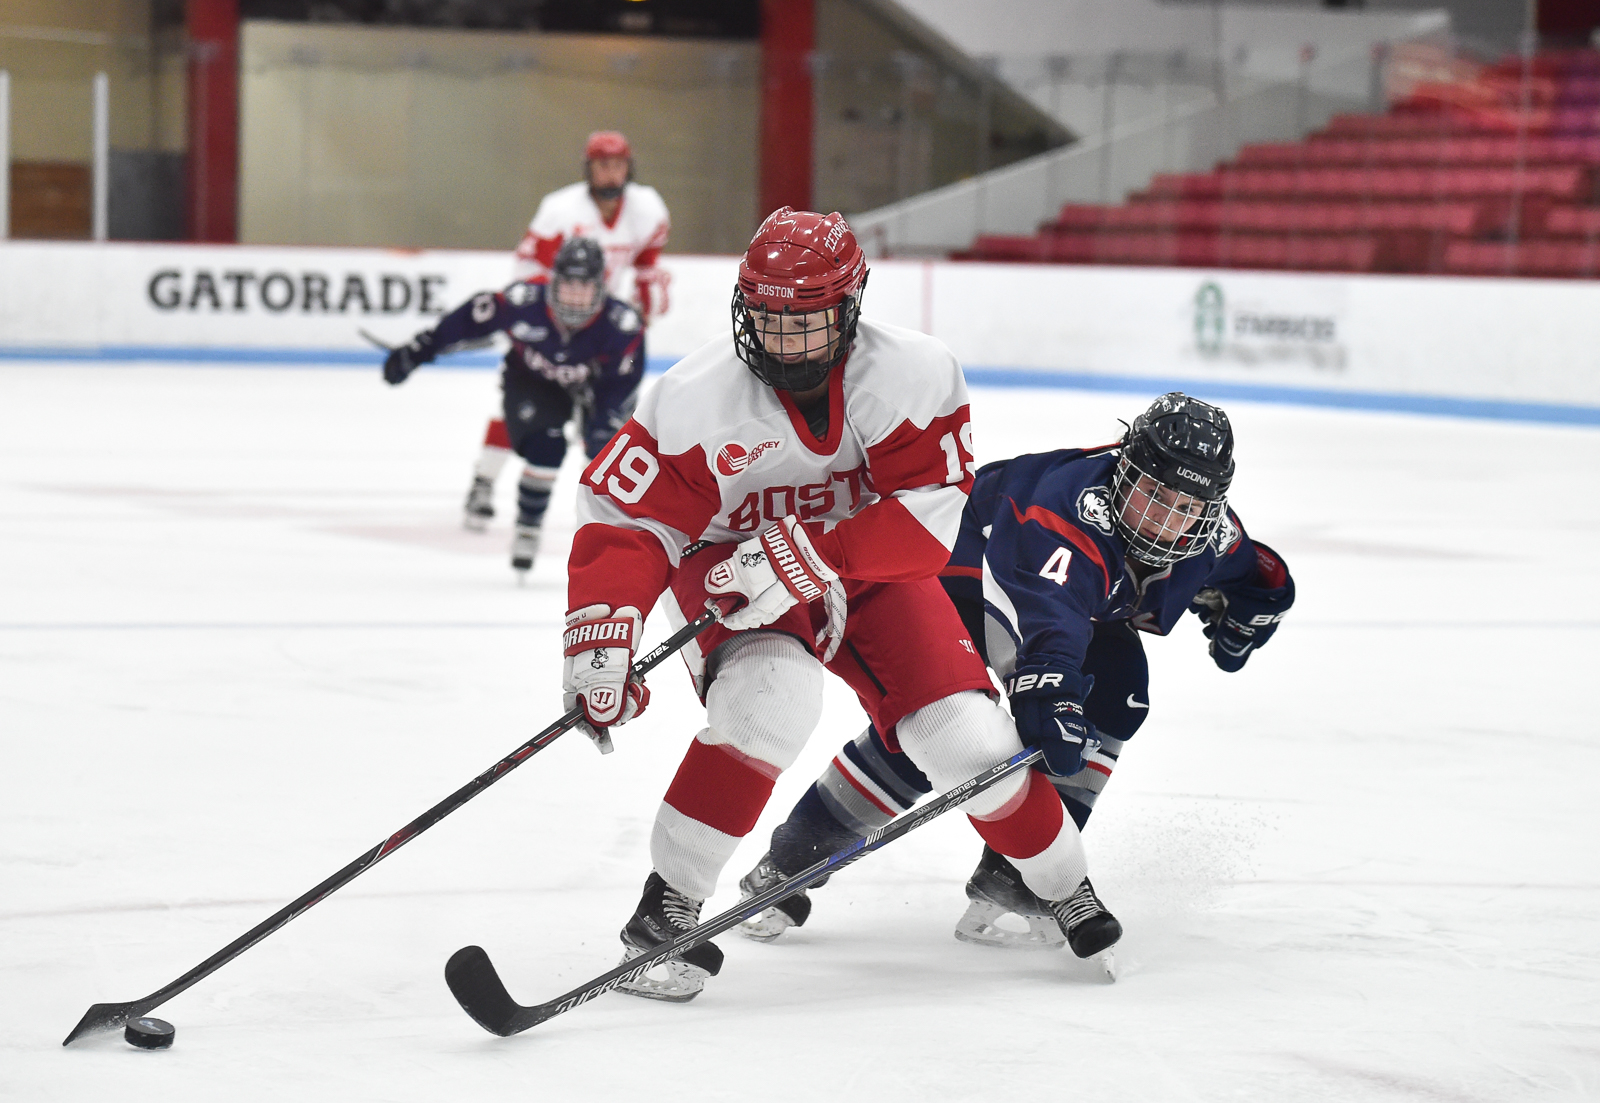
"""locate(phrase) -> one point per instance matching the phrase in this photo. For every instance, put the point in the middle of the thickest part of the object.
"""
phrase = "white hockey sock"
(491, 461)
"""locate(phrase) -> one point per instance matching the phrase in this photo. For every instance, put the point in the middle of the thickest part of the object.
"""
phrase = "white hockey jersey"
(632, 241)
(714, 454)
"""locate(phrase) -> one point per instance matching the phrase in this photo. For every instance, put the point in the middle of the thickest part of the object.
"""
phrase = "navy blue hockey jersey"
(601, 363)
(1039, 549)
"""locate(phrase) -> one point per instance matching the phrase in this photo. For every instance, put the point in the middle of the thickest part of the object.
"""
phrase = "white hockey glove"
(599, 647)
(770, 573)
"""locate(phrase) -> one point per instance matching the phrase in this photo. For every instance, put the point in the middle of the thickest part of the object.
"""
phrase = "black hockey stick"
(463, 346)
(109, 1016)
(480, 992)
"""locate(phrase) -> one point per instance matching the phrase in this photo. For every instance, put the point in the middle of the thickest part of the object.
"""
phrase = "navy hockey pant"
(536, 414)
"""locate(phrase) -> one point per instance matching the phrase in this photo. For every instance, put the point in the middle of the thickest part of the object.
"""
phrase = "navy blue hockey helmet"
(1170, 491)
(578, 282)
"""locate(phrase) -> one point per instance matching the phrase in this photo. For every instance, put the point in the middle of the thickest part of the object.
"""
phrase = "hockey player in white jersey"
(630, 222)
(809, 478)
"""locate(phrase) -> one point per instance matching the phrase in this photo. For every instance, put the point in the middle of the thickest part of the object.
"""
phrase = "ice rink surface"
(243, 638)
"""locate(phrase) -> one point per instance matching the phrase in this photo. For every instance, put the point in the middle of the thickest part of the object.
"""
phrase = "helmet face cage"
(1182, 525)
(577, 283)
(824, 335)
(575, 300)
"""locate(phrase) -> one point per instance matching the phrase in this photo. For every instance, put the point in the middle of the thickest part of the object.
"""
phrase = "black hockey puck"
(149, 1033)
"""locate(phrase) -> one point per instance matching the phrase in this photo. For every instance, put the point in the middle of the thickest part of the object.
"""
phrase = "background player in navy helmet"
(1062, 560)
(573, 350)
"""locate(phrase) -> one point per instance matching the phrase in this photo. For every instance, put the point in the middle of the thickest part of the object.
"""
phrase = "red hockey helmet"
(606, 143)
(798, 298)
(601, 144)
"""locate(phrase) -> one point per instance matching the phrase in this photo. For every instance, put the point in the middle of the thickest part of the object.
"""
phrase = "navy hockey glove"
(1244, 618)
(405, 359)
(1048, 708)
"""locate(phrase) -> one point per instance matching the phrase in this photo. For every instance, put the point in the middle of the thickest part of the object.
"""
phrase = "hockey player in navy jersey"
(573, 350)
(1063, 558)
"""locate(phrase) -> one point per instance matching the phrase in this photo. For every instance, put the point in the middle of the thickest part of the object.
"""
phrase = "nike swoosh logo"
(1132, 704)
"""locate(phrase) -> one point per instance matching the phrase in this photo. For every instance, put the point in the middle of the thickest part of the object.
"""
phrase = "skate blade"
(1107, 960)
(981, 926)
(671, 981)
(475, 524)
(766, 926)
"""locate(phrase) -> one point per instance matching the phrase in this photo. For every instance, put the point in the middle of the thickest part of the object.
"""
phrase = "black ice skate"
(524, 548)
(1091, 930)
(791, 911)
(1004, 912)
(662, 915)
(479, 509)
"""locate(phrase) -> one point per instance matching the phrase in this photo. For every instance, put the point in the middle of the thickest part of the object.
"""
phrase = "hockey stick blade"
(478, 989)
(483, 995)
(108, 1016)
(374, 342)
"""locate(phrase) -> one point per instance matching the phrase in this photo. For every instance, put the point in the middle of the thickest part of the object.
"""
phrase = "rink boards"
(1524, 349)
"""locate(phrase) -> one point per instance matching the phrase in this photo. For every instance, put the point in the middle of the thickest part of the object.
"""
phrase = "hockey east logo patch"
(734, 457)
(1094, 507)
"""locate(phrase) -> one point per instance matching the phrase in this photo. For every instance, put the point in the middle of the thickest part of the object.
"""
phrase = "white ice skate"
(663, 914)
(1003, 913)
(672, 980)
(479, 508)
(769, 923)
(524, 548)
(987, 923)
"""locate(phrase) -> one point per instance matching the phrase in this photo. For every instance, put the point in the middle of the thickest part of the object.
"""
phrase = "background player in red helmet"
(630, 222)
(811, 477)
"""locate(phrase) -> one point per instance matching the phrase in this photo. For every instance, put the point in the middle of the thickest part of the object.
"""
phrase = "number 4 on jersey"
(1055, 568)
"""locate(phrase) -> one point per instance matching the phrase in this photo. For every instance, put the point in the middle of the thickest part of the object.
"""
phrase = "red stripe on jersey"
(1273, 574)
(1031, 828)
(882, 543)
(647, 256)
(961, 572)
(538, 249)
(844, 772)
(830, 445)
(616, 567)
(621, 566)
(910, 457)
(1061, 527)
(720, 788)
